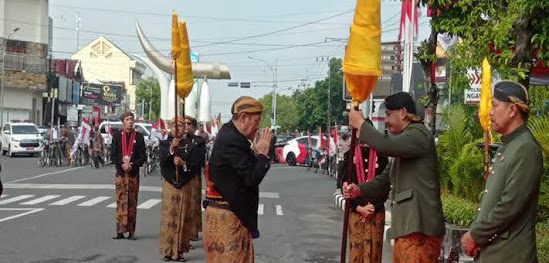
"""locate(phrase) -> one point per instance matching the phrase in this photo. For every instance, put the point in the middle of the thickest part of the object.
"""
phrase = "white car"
(295, 150)
(143, 128)
(20, 138)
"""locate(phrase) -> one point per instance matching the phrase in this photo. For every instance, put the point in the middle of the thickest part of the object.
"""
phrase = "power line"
(277, 31)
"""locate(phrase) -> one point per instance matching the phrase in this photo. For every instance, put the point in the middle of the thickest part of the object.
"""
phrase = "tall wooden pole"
(486, 155)
(348, 200)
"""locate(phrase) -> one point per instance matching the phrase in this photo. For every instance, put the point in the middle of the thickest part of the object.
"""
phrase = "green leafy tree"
(312, 103)
(148, 90)
(286, 112)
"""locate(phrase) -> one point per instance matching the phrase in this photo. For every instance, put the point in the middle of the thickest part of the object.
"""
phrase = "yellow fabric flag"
(485, 95)
(185, 78)
(362, 62)
(176, 46)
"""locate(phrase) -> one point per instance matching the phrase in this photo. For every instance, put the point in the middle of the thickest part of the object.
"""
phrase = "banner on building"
(101, 94)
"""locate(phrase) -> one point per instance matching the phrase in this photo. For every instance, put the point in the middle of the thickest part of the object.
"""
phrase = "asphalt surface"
(66, 214)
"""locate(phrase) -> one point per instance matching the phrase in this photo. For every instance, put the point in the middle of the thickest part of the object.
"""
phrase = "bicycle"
(43, 156)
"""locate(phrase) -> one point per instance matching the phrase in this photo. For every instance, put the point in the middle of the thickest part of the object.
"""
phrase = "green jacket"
(414, 177)
(504, 228)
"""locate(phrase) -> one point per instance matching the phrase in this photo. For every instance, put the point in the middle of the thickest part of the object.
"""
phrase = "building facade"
(103, 61)
(25, 58)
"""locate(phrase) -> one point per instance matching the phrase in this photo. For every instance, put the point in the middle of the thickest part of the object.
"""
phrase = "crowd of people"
(402, 167)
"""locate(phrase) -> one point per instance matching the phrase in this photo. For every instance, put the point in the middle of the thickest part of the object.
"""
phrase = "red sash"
(127, 147)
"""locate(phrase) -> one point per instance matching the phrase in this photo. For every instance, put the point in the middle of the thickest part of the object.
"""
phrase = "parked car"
(20, 138)
(281, 141)
(295, 150)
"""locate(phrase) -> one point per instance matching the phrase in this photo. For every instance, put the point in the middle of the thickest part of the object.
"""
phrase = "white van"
(143, 128)
(20, 138)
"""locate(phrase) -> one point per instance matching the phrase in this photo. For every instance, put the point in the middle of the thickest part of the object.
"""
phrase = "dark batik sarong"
(196, 207)
(417, 248)
(175, 224)
(225, 238)
(366, 238)
(127, 189)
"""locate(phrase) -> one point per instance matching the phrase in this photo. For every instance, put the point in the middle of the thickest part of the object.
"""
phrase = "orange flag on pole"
(362, 62)
(185, 78)
(485, 95)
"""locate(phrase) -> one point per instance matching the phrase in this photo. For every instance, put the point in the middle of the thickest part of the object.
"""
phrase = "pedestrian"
(128, 155)
(176, 221)
(195, 155)
(367, 215)
(236, 168)
(504, 228)
(414, 177)
(98, 147)
(67, 139)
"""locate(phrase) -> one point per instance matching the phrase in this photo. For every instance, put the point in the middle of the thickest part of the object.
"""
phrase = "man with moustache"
(504, 228)
(128, 155)
(236, 168)
(414, 177)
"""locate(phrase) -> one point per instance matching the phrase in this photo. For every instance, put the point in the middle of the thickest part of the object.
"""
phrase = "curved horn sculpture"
(213, 70)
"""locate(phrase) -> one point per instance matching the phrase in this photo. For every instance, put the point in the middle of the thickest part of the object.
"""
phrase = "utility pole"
(78, 30)
(329, 109)
(150, 102)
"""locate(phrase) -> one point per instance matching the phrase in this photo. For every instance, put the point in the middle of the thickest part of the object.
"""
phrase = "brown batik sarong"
(175, 224)
(225, 238)
(127, 189)
(417, 248)
(196, 208)
(366, 238)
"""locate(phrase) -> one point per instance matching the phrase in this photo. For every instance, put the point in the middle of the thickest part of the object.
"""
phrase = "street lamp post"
(274, 72)
(4, 77)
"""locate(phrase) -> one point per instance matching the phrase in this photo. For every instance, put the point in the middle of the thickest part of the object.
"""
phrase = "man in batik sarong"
(176, 222)
(128, 155)
(195, 155)
(367, 216)
(233, 176)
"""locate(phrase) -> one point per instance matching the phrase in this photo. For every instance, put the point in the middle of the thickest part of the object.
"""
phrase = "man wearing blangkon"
(232, 194)
(504, 229)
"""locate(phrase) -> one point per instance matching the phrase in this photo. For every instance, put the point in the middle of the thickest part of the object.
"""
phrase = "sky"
(291, 36)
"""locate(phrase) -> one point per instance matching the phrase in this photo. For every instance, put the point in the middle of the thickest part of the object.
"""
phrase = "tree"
(312, 103)
(286, 112)
(506, 32)
(148, 90)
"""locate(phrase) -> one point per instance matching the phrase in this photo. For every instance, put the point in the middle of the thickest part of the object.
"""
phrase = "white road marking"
(46, 174)
(94, 201)
(268, 195)
(260, 209)
(15, 199)
(279, 210)
(29, 211)
(40, 200)
(78, 186)
(149, 203)
(68, 200)
(113, 205)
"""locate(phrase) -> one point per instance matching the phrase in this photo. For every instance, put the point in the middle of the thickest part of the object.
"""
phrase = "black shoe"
(132, 237)
(167, 258)
(191, 247)
(181, 259)
(118, 236)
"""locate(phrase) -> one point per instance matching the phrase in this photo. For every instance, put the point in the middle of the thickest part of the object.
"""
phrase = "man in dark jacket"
(236, 170)
(128, 155)
(504, 229)
(176, 168)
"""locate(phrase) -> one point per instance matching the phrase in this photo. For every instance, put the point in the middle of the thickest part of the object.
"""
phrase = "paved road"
(50, 215)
